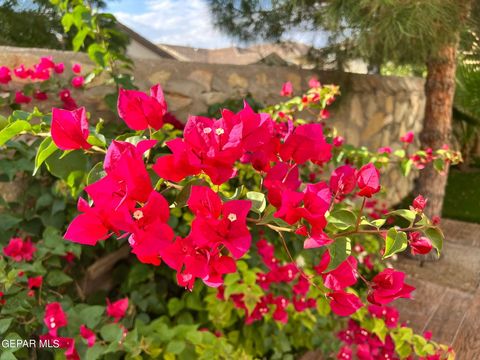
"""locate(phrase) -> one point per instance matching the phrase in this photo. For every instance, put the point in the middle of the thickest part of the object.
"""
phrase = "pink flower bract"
(117, 309)
(368, 180)
(141, 111)
(70, 129)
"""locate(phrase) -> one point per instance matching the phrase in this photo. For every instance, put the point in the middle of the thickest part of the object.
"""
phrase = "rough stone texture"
(372, 111)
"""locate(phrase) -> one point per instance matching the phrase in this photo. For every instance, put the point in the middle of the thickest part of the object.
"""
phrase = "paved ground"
(447, 299)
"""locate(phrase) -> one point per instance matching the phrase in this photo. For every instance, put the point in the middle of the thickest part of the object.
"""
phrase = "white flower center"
(138, 214)
(207, 130)
(232, 217)
(219, 131)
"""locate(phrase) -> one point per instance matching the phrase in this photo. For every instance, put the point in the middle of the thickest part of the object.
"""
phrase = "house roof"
(290, 53)
(143, 41)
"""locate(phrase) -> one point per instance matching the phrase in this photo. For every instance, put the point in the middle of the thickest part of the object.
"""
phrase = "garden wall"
(372, 111)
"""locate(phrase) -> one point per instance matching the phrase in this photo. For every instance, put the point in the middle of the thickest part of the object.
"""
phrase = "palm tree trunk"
(437, 124)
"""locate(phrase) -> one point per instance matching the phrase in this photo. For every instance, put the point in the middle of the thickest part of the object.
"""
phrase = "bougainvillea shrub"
(255, 234)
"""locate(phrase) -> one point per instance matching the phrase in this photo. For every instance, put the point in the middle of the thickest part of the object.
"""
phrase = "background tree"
(34, 23)
(400, 31)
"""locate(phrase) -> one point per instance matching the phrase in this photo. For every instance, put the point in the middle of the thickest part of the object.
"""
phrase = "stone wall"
(372, 111)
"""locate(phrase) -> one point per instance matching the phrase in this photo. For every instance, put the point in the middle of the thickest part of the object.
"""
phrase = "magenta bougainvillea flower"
(21, 72)
(306, 142)
(35, 282)
(279, 179)
(141, 111)
(338, 141)
(287, 89)
(21, 98)
(68, 102)
(88, 335)
(388, 286)
(40, 95)
(408, 137)
(5, 76)
(117, 309)
(344, 303)
(19, 249)
(419, 245)
(70, 129)
(78, 81)
(216, 225)
(343, 180)
(419, 203)
(125, 165)
(149, 231)
(387, 313)
(219, 224)
(343, 276)
(77, 68)
(59, 68)
(54, 318)
(368, 180)
(216, 145)
(314, 83)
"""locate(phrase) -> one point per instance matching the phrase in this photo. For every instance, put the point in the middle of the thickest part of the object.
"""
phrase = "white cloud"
(175, 22)
(185, 23)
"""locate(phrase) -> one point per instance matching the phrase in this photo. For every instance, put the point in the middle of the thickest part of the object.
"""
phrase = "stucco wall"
(372, 111)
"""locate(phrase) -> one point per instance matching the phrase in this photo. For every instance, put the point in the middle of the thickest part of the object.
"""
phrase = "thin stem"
(373, 231)
(302, 273)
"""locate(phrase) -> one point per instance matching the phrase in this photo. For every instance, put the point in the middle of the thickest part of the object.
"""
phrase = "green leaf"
(439, 165)
(92, 315)
(111, 332)
(94, 352)
(79, 39)
(12, 130)
(97, 54)
(342, 219)
(175, 346)
(406, 166)
(184, 194)
(46, 148)
(395, 242)
(258, 201)
(323, 307)
(5, 324)
(58, 278)
(97, 140)
(174, 306)
(379, 328)
(96, 173)
(436, 237)
(8, 221)
(340, 250)
(67, 22)
(408, 215)
(61, 168)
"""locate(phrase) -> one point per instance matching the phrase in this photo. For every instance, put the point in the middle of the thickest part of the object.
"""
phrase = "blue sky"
(178, 22)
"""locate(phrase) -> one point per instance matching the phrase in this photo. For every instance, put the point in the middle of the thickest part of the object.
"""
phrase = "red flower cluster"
(216, 226)
(55, 319)
(276, 274)
(367, 346)
(124, 202)
(342, 302)
(19, 249)
(40, 72)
